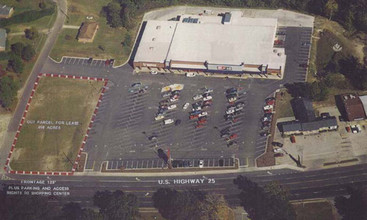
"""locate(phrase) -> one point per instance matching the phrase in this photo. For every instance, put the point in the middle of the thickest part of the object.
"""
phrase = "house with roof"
(87, 32)
(6, 11)
(306, 122)
(3, 37)
(351, 107)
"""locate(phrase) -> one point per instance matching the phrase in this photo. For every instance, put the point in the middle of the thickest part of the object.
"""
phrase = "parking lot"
(125, 120)
(86, 62)
(158, 163)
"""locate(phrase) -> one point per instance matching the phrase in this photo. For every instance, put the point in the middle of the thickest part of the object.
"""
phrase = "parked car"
(269, 99)
(206, 98)
(168, 121)
(153, 138)
(159, 117)
(196, 108)
(293, 139)
(173, 99)
(153, 72)
(230, 111)
(185, 106)
(190, 74)
(90, 60)
(166, 94)
(193, 116)
(201, 121)
(171, 107)
(199, 126)
(201, 163)
(239, 108)
(203, 114)
(267, 107)
(208, 91)
(268, 111)
(208, 102)
(197, 97)
(177, 122)
(225, 135)
(231, 91)
(233, 136)
(240, 104)
(138, 84)
(274, 143)
(278, 155)
(195, 112)
(270, 102)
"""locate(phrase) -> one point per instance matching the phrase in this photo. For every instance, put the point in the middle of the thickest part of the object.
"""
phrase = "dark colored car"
(90, 60)
(177, 122)
(274, 143)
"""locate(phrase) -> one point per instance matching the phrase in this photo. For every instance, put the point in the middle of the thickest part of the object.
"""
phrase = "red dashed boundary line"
(7, 168)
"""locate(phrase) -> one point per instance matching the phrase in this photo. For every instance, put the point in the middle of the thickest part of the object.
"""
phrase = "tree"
(8, 91)
(71, 211)
(112, 11)
(266, 203)
(16, 64)
(189, 204)
(331, 7)
(31, 33)
(116, 205)
(17, 48)
(28, 52)
(24, 207)
(354, 206)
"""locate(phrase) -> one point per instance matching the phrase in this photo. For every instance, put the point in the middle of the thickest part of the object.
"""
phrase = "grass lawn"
(322, 210)
(285, 108)
(110, 39)
(50, 148)
(22, 6)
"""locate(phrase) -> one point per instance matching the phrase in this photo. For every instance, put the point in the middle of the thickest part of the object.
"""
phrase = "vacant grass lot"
(54, 147)
(22, 6)
(321, 210)
(108, 42)
(285, 107)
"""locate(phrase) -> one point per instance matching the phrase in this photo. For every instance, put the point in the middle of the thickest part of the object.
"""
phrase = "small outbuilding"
(6, 11)
(87, 32)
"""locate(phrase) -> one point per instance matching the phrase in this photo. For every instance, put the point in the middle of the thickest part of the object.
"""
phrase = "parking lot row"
(176, 163)
(87, 62)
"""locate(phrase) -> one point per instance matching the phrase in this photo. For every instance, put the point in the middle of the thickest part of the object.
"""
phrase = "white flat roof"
(155, 41)
(248, 40)
(222, 44)
(364, 102)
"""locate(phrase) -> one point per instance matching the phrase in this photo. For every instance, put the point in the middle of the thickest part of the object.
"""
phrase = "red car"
(268, 111)
(233, 136)
(270, 102)
(199, 126)
(194, 116)
(203, 121)
(209, 102)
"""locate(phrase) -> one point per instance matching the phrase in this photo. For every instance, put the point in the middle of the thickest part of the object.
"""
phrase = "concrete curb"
(7, 167)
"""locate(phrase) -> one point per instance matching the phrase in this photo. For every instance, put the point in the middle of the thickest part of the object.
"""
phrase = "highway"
(301, 185)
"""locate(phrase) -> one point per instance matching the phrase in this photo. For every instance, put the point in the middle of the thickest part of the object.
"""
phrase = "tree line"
(350, 13)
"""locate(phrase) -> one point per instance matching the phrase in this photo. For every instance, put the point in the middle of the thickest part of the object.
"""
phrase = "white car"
(170, 107)
(268, 107)
(153, 72)
(198, 108)
(185, 106)
(232, 99)
(197, 97)
(159, 117)
(239, 108)
(206, 98)
(201, 163)
(230, 111)
(173, 100)
(208, 91)
(278, 150)
(203, 114)
(168, 121)
(190, 74)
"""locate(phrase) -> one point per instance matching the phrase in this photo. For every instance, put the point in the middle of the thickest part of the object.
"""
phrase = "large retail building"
(228, 43)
